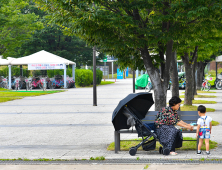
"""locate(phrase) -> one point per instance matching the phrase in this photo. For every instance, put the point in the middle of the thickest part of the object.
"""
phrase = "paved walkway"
(67, 126)
(111, 167)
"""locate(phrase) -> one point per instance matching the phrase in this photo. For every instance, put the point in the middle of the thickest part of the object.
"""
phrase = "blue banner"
(119, 74)
(127, 72)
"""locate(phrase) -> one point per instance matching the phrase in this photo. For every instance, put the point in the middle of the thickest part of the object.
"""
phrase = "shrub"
(52, 73)
(15, 71)
(99, 76)
(83, 77)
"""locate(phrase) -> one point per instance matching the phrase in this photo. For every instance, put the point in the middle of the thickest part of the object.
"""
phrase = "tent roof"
(6, 61)
(219, 58)
(41, 57)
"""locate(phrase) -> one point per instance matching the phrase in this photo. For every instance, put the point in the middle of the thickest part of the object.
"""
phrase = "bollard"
(115, 79)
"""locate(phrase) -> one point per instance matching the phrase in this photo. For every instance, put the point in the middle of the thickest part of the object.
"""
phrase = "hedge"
(83, 77)
(15, 71)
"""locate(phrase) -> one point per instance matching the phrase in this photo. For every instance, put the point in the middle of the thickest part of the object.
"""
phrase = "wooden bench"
(186, 116)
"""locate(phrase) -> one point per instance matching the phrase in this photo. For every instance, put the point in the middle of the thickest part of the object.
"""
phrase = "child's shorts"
(204, 133)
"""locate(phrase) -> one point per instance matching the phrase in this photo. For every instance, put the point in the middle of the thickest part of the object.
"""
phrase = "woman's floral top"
(166, 116)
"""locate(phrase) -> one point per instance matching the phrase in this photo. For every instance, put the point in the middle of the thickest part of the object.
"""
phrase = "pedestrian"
(204, 127)
(169, 136)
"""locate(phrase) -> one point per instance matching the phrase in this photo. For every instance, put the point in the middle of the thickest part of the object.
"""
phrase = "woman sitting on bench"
(169, 136)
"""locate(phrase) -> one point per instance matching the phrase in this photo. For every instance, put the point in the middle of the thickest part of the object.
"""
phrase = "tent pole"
(216, 69)
(73, 72)
(112, 69)
(21, 70)
(65, 76)
(9, 76)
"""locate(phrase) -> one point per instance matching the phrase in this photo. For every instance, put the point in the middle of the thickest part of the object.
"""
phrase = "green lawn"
(115, 76)
(106, 82)
(193, 108)
(125, 145)
(200, 91)
(202, 102)
(200, 96)
(8, 95)
(215, 123)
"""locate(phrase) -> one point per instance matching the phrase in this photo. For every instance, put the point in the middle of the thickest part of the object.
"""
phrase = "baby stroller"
(130, 112)
(146, 131)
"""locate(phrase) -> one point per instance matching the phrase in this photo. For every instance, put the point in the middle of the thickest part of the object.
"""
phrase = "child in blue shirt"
(204, 127)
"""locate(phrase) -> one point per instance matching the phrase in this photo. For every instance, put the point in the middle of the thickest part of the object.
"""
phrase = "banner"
(45, 66)
(119, 74)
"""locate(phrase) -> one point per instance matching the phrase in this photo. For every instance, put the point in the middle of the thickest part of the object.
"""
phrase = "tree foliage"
(17, 25)
(133, 30)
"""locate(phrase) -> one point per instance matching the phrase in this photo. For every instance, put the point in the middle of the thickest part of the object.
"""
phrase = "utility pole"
(133, 81)
(94, 77)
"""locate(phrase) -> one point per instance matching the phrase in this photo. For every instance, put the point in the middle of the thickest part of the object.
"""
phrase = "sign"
(45, 66)
(105, 59)
(119, 74)
(127, 72)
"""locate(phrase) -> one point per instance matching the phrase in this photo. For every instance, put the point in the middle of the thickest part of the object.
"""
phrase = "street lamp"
(94, 77)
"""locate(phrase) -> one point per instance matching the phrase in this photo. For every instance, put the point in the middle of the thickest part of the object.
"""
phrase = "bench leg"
(117, 141)
(197, 142)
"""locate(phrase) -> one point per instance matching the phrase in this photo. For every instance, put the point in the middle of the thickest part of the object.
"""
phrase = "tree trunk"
(200, 69)
(194, 79)
(189, 83)
(159, 84)
(189, 67)
(174, 75)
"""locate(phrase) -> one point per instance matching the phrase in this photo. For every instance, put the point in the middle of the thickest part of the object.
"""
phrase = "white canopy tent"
(41, 57)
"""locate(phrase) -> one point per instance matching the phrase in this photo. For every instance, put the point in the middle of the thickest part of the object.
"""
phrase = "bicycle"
(43, 84)
(148, 87)
(205, 85)
(17, 87)
(219, 82)
(28, 82)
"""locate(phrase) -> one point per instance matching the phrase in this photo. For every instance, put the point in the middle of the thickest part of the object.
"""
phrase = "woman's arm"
(183, 124)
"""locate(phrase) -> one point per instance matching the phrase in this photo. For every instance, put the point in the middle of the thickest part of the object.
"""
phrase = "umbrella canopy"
(139, 103)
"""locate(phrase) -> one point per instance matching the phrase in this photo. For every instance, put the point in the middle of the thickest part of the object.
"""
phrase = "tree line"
(148, 34)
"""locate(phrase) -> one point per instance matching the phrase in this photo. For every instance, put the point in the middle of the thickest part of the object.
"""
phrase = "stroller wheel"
(166, 151)
(160, 150)
(132, 151)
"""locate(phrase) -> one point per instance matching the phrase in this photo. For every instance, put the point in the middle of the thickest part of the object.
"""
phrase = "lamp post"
(94, 77)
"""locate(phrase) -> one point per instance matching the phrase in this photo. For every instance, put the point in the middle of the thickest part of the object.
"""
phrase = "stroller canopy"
(140, 103)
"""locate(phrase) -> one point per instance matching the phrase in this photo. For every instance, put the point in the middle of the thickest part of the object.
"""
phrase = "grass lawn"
(115, 76)
(102, 83)
(193, 108)
(200, 96)
(202, 102)
(106, 82)
(200, 91)
(8, 95)
(215, 123)
(125, 145)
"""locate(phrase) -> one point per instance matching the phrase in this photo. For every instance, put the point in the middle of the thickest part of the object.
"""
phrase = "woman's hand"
(190, 128)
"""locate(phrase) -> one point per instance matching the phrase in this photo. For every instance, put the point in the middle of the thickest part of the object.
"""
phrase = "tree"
(134, 28)
(51, 39)
(16, 27)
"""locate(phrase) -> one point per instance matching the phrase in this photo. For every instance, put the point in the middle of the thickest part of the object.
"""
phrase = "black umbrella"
(139, 103)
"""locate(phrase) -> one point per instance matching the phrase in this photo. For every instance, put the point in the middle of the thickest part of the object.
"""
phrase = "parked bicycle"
(43, 84)
(28, 82)
(205, 85)
(219, 82)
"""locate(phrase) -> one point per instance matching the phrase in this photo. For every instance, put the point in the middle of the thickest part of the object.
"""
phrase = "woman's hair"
(174, 100)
